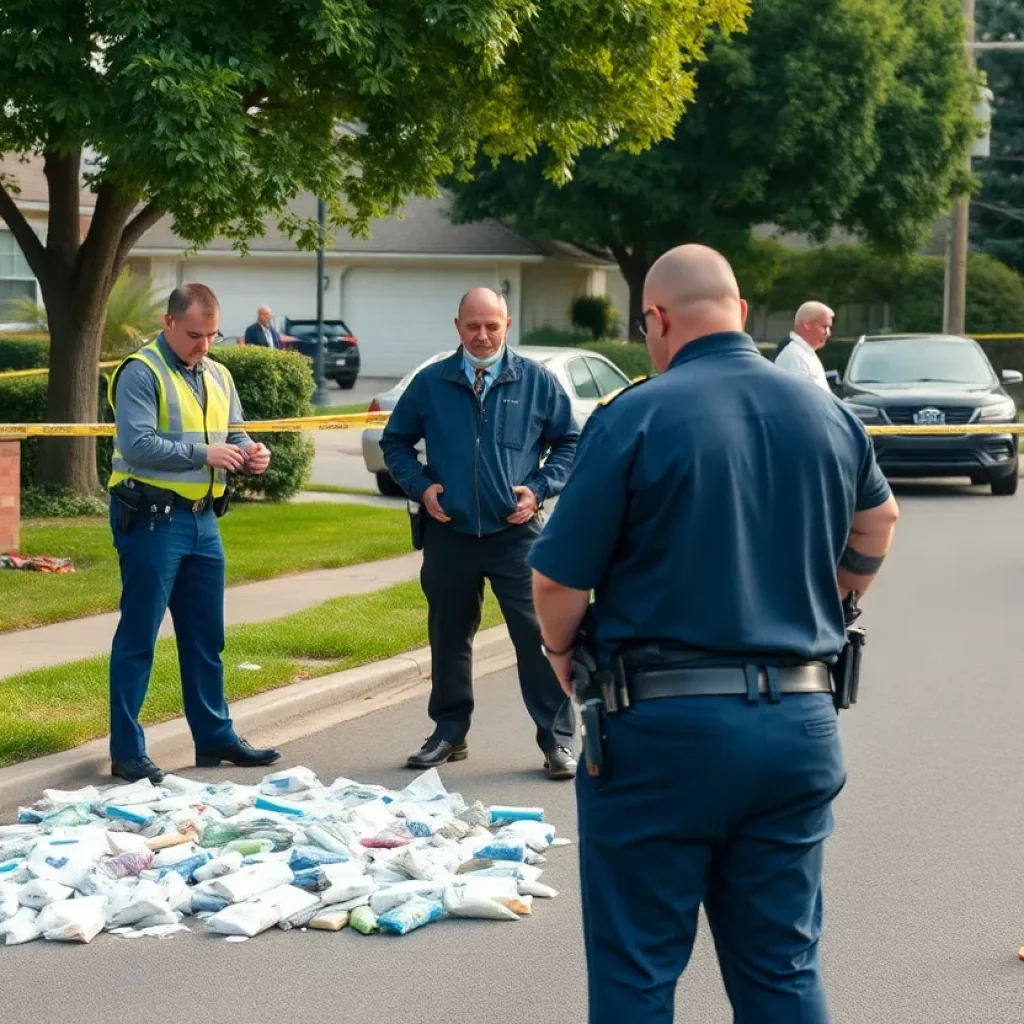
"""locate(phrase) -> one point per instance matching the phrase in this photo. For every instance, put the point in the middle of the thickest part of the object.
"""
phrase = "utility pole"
(955, 305)
(320, 396)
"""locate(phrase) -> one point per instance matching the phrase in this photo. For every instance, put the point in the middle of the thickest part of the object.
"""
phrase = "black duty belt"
(161, 498)
(724, 681)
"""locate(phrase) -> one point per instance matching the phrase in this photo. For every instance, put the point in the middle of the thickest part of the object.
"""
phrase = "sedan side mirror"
(1012, 377)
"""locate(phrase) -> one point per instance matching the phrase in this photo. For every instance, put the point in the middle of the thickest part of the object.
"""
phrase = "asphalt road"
(925, 875)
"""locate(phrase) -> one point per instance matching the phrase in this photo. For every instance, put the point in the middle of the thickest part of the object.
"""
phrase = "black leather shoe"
(240, 753)
(137, 769)
(437, 752)
(560, 764)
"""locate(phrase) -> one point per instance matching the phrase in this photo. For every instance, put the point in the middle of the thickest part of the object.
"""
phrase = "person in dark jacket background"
(488, 417)
(263, 331)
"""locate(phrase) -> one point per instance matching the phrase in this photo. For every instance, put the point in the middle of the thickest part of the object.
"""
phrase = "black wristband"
(853, 561)
(557, 654)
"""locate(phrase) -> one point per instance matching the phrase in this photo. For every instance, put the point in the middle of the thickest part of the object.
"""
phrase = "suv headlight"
(868, 413)
(1001, 412)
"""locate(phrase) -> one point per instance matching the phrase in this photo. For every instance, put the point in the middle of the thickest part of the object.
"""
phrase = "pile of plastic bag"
(137, 860)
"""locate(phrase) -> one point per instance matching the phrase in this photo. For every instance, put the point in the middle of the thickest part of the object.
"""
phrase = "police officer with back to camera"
(173, 452)
(488, 417)
(722, 512)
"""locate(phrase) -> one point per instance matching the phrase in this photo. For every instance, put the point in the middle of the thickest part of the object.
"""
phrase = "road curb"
(297, 710)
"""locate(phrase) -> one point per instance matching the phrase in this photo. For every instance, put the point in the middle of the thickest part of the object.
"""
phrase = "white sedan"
(586, 376)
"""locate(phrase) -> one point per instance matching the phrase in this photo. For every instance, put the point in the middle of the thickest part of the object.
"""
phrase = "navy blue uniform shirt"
(710, 505)
(480, 449)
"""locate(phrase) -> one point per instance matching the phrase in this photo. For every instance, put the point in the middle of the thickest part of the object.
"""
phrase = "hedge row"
(271, 385)
(24, 351)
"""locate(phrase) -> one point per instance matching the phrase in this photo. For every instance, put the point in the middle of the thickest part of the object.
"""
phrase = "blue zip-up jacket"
(479, 451)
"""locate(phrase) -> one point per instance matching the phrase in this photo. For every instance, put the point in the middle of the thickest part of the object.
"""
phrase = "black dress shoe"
(560, 763)
(240, 753)
(136, 769)
(437, 752)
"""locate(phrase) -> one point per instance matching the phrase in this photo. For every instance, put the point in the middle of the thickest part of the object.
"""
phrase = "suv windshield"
(920, 361)
(307, 330)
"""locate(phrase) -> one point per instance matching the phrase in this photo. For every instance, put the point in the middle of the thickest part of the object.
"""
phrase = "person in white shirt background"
(799, 353)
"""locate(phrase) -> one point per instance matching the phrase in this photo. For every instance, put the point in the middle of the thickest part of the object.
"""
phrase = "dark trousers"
(709, 800)
(455, 566)
(179, 564)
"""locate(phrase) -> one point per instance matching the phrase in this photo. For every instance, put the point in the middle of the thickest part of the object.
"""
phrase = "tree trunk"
(76, 278)
(72, 398)
(633, 265)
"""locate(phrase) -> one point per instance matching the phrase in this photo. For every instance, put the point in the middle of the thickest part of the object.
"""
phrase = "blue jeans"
(178, 564)
(709, 800)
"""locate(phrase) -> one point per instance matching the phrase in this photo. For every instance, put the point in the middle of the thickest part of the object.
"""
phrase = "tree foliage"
(219, 112)
(824, 115)
(997, 213)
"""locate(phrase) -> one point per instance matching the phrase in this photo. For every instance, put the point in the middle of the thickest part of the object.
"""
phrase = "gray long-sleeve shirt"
(138, 400)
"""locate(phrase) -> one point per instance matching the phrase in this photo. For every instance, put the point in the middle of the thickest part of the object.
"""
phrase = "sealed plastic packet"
(364, 921)
(410, 916)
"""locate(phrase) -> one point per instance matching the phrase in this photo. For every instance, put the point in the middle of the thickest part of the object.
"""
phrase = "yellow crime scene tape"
(348, 421)
(356, 421)
(39, 371)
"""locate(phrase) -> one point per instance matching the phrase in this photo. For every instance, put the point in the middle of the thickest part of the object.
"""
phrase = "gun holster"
(223, 503)
(846, 670)
(129, 502)
(416, 524)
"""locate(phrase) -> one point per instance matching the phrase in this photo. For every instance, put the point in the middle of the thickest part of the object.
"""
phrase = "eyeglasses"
(641, 321)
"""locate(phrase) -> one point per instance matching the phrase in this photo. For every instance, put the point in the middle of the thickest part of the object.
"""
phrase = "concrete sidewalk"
(28, 649)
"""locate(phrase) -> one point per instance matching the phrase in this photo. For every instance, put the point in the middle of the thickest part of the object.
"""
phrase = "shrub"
(596, 314)
(273, 385)
(24, 352)
(630, 358)
(23, 400)
(50, 502)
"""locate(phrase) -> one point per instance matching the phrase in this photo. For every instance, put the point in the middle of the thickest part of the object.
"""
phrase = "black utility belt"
(136, 500)
(156, 499)
(725, 681)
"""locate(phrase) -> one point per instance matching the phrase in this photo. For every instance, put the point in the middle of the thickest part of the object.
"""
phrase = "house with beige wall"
(397, 290)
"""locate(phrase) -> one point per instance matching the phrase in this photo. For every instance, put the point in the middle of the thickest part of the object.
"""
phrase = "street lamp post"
(954, 307)
(320, 396)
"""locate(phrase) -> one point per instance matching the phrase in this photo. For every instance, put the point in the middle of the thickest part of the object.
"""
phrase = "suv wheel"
(387, 486)
(1004, 486)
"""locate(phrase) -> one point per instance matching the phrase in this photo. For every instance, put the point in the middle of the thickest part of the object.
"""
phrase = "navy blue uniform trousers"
(178, 564)
(713, 801)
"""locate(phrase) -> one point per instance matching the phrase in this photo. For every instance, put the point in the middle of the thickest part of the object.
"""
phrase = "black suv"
(341, 350)
(934, 380)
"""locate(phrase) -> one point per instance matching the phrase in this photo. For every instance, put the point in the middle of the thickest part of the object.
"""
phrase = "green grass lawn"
(341, 410)
(261, 541)
(338, 489)
(54, 709)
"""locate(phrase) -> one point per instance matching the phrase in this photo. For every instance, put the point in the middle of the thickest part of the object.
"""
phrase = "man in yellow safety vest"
(173, 451)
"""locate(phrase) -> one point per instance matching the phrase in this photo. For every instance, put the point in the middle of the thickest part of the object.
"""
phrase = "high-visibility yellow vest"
(181, 418)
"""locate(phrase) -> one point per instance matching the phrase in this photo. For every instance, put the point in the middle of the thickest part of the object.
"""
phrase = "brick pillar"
(10, 495)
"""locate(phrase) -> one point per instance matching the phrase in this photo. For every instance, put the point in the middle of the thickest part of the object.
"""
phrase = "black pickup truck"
(341, 349)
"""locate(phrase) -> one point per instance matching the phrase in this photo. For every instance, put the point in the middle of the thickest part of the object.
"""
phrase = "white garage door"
(402, 316)
(242, 286)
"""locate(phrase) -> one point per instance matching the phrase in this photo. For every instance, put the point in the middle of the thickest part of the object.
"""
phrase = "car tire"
(1005, 486)
(387, 486)
(347, 385)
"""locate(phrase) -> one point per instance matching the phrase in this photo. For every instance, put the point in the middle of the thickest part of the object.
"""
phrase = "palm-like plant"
(133, 315)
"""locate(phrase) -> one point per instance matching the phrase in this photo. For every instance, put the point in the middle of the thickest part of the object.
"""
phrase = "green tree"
(997, 213)
(219, 112)
(824, 115)
(133, 315)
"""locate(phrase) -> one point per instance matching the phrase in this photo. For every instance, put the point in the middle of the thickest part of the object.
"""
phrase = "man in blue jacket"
(488, 417)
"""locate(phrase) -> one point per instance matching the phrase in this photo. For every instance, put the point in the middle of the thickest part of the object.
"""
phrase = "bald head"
(813, 323)
(482, 322)
(690, 291)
